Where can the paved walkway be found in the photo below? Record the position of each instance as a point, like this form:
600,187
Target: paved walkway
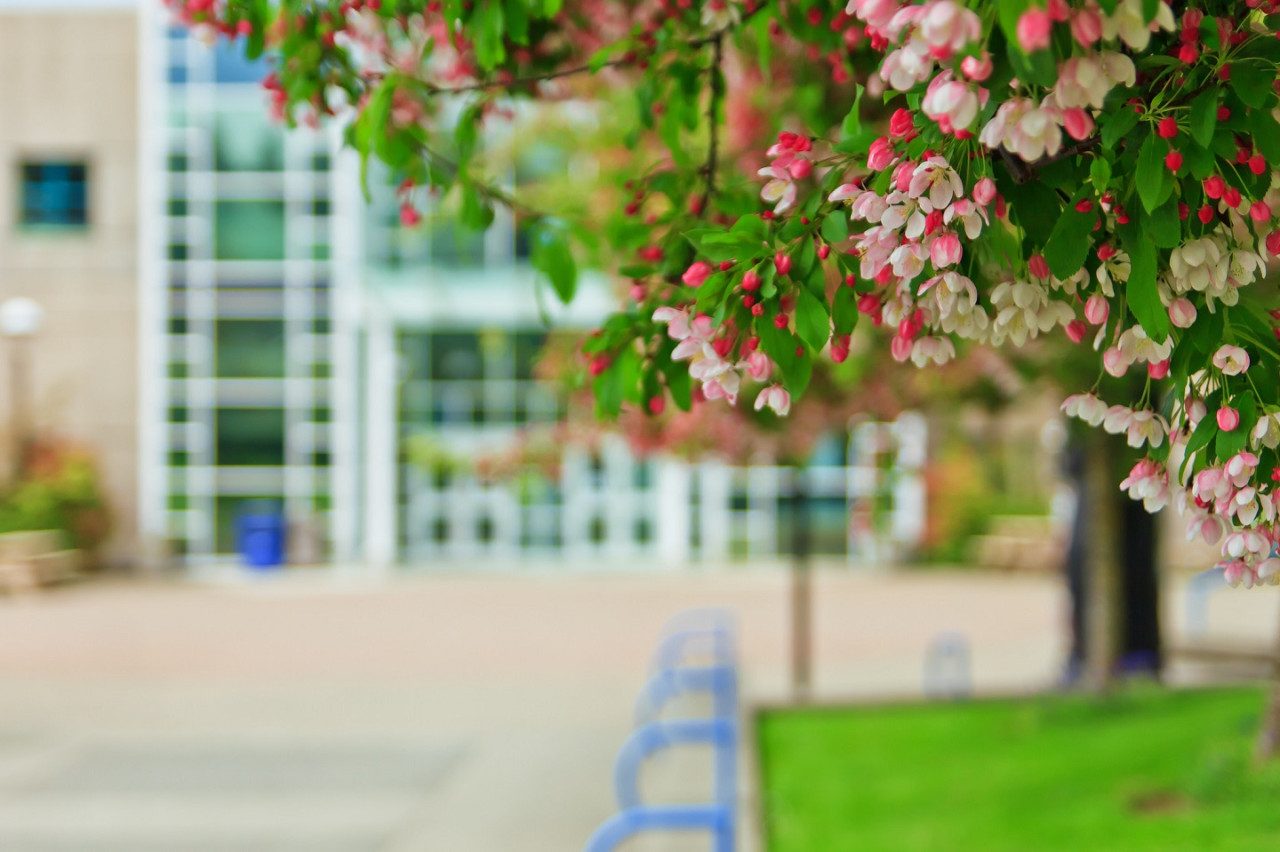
444,713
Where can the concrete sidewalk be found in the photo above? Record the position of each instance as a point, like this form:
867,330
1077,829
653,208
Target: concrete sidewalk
452,713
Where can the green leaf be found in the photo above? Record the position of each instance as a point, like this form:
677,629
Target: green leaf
1164,225
1100,173
1141,289
835,227
550,254
1204,115
1230,443
1201,162
852,124
812,321
1034,205
517,21
1149,9
1266,134
1154,185
1069,243
844,313
1118,126
486,29
1205,432
1253,83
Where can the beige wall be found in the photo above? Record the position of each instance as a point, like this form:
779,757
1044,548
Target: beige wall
68,87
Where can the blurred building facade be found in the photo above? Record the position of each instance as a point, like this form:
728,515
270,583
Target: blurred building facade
236,322
69,232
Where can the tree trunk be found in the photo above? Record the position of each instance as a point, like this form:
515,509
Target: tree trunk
1268,747
1102,564
801,590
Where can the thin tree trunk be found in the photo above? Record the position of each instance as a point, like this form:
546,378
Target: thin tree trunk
801,591
1268,747
1102,566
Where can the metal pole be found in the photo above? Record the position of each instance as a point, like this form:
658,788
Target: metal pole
801,589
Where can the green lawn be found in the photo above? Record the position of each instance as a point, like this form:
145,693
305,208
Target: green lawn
1148,770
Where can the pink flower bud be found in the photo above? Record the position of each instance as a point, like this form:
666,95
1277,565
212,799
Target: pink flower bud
901,123
1259,211
1078,123
1273,243
1182,313
900,348
984,192
1039,266
1158,369
1076,330
409,215
1086,26
781,263
977,69
1034,28
1228,419
696,274
1097,309
1114,362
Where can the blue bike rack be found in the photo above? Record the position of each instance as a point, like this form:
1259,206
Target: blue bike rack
696,634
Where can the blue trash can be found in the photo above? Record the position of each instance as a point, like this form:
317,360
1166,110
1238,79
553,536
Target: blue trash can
260,534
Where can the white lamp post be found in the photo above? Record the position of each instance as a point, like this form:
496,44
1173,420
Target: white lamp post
20,320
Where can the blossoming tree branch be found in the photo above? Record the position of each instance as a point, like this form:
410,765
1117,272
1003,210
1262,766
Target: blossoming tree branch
1100,170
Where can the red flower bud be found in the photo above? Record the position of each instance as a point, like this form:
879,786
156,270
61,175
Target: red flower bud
782,263
1173,161
1168,127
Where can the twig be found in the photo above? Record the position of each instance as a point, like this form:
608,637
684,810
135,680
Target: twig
488,190
1021,171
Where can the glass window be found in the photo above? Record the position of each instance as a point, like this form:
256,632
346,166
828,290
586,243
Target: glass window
454,245
54,194
250,436
456,357
231,66
249,349
528,349
249,230
246,141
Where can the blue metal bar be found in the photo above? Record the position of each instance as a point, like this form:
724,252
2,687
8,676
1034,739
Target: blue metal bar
643,742
717,819
675,647
721,681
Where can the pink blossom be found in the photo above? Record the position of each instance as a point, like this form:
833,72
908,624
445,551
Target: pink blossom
758,366
1115,362
877,13
1149,482
1076,330
1039,266
900,347
1085,406
1034,28
948,27
1158,369
1231,360
945,251
776,398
